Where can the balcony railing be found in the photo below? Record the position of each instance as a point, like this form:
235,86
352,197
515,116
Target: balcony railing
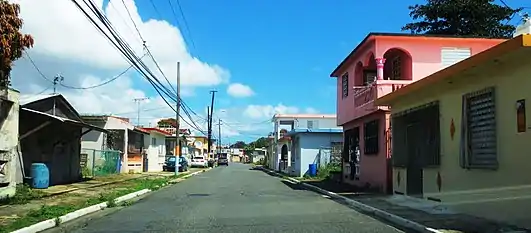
367,94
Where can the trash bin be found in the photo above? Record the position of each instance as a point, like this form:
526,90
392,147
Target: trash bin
312,169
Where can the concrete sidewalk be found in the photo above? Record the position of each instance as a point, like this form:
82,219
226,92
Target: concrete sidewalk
417,214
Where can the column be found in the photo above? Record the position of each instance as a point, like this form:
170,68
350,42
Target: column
380,68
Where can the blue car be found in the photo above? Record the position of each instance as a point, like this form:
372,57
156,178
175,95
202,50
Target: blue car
169,165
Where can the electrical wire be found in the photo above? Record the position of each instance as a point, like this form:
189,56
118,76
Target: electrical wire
186,23
125,49
146,48
37,68
101,84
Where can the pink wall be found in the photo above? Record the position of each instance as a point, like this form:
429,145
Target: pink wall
372,167
426,59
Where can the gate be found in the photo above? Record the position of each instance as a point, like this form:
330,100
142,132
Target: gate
100,162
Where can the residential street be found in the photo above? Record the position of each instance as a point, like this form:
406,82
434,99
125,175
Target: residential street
235,199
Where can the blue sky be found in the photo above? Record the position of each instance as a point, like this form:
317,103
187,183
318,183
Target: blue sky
274,46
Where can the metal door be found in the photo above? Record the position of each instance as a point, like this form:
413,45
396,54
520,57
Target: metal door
414,164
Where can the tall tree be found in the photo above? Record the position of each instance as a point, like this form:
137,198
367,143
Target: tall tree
260,142
478,18
168,122
239,145
12,41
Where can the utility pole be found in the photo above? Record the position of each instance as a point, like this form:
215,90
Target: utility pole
138,101
210,121
219,135
177,119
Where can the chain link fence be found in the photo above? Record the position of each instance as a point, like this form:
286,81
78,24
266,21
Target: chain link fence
100,162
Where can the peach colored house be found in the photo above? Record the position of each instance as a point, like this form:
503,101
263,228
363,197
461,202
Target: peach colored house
379,65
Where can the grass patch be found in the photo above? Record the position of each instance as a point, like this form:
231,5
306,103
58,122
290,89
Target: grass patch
46,212
23,195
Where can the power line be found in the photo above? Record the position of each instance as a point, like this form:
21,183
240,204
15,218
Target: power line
146,48
185,22
134,24
37,68
126,50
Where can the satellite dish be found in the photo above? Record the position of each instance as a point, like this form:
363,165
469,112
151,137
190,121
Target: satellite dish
198,144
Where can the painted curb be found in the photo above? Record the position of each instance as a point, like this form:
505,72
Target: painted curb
51,223
363,207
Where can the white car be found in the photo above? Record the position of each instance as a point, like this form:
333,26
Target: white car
199,161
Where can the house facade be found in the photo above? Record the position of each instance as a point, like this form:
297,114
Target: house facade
314,146
155,149
283,124
123,137
461,135
383,63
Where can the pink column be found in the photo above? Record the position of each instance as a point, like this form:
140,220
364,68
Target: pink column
380,68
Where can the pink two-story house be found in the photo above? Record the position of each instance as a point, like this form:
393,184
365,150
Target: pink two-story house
381,64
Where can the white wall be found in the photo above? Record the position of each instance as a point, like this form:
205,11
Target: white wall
310,145
156,151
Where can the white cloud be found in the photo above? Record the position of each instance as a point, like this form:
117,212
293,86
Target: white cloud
311,110
267,111
73,38
239,90
76,50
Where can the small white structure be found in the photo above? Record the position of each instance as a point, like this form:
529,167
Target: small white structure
284,123
156,148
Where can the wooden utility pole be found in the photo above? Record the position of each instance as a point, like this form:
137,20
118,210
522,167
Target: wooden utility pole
178,120
138,101
219,136
210,122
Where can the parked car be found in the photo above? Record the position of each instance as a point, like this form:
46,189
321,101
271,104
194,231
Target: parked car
223,159
169,165
199,161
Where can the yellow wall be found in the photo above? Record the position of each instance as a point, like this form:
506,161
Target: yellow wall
514,150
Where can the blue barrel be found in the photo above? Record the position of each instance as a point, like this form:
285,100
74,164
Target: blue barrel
312,169
40,176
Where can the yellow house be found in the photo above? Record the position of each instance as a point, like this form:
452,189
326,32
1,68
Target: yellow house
200,143
459,136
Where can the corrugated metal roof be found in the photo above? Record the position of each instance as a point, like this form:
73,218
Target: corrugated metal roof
65,120
34,98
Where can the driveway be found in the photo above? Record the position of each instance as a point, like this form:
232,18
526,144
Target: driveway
235,199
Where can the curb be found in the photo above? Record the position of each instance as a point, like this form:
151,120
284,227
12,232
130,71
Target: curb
360,206
51,223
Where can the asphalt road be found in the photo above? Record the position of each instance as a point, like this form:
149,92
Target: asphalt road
235,199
